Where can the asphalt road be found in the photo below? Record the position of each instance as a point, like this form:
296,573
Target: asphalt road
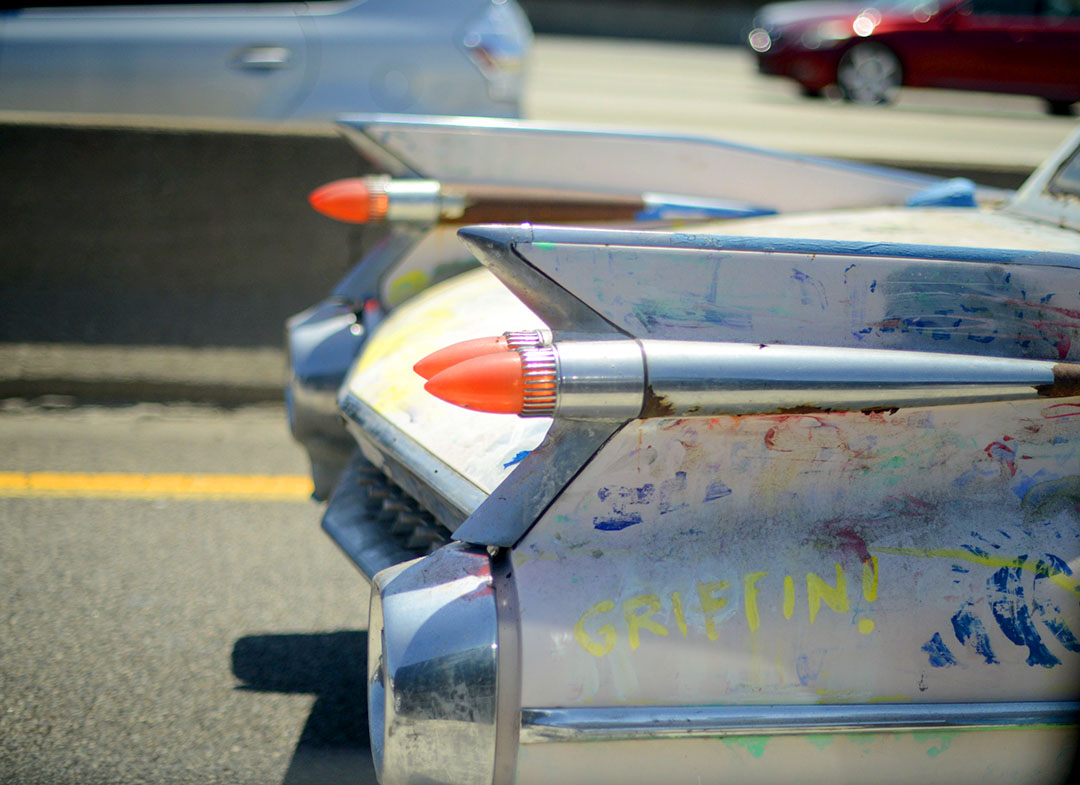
166,639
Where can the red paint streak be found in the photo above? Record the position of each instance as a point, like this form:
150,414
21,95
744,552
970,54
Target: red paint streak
770,441
1066,410
1069,312
1064,345
842,536
1003,454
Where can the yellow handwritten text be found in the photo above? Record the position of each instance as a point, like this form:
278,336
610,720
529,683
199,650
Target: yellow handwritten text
646,614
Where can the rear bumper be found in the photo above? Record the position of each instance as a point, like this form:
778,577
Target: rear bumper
444,690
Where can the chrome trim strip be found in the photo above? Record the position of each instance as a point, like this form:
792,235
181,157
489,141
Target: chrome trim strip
374,125
667,722
434,484
517,236
508,676
519,501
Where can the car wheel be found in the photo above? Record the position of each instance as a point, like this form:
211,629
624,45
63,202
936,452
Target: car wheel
869,73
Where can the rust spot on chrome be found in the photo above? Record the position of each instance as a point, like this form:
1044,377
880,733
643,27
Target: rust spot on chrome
805,408
656,405
1066,382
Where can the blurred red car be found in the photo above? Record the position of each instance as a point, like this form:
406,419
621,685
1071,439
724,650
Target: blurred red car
1030,47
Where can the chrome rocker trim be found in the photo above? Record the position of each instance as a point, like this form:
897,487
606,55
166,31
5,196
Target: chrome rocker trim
639,723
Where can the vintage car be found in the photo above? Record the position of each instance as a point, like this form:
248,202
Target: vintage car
728,466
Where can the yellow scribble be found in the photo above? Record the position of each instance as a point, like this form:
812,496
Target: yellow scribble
1041,569
818,590
587,642
870,579
710,604
750,593
636,621
789,596
677,609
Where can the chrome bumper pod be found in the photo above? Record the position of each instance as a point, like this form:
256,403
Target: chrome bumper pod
433,670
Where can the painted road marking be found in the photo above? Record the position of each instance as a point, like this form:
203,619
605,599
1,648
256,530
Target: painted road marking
119,485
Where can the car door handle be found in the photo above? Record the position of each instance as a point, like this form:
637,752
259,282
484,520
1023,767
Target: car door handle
262,58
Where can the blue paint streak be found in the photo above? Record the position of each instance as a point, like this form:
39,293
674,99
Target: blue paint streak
671,492
516,459
1059,564
940,656
968,626
1014,617
1061,631
805,670
1056,621
1025,482
624,495
716,490
955,192
616,524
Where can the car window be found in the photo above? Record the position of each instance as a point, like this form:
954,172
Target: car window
1067,178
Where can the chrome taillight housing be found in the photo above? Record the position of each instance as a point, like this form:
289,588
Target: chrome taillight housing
432,666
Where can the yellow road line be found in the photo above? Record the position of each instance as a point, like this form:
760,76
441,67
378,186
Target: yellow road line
117,485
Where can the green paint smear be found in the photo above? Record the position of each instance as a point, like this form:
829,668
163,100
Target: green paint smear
544,246
755,745
943,739
821,740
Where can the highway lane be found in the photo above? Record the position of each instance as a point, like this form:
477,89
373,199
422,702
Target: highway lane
158,636
716,91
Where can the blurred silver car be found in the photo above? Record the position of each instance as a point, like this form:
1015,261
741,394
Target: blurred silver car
273,60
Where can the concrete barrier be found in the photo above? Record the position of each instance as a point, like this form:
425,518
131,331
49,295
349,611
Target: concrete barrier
698,21
139,232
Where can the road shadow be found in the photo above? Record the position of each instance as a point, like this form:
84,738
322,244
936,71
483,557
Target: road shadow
333,746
